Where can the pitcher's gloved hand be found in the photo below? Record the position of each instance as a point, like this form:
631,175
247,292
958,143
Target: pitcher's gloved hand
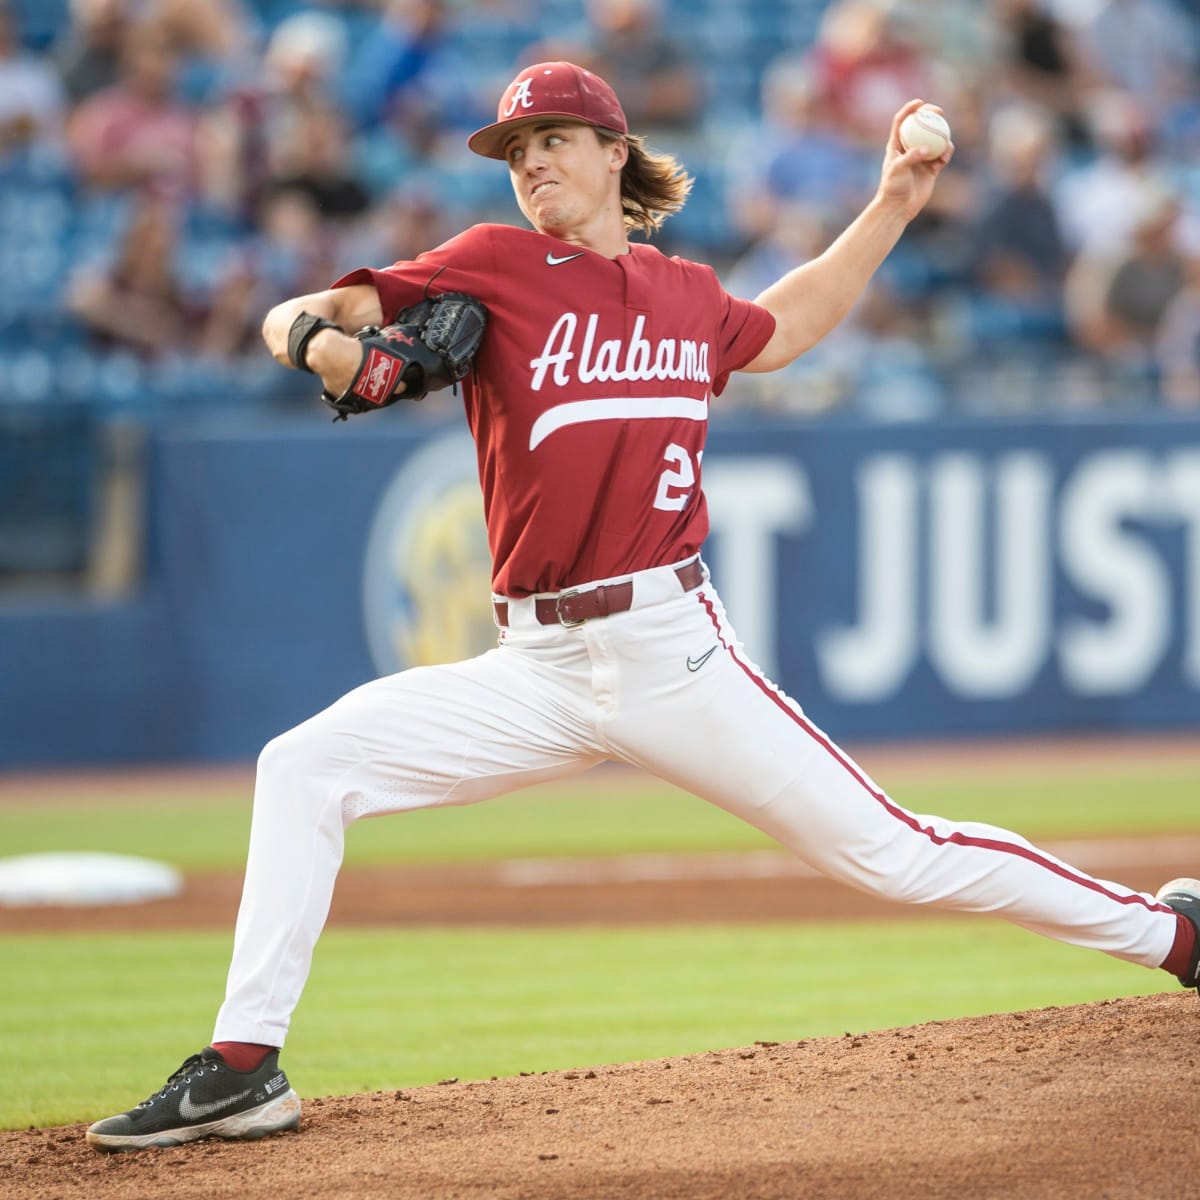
429,346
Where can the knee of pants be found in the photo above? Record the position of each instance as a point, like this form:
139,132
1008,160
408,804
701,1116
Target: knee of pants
304,761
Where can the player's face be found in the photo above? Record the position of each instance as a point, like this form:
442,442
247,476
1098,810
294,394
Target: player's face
564,177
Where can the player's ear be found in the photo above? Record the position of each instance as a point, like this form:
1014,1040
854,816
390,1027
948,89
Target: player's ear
617,148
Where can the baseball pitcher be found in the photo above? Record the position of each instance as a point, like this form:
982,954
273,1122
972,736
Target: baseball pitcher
587,364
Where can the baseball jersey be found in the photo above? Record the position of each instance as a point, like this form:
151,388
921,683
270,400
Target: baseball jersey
589,397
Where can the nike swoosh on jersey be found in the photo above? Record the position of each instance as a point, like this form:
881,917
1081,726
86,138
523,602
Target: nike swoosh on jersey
194,1112
552,261
619,408
694,664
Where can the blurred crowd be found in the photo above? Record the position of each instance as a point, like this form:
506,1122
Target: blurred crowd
169,169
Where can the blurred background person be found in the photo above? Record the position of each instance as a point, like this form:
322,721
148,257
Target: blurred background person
1099,197
87,53
293,248
298,75
310,152
137,134
628,43
794,154
32,100
1117,299
1145,48
134,299
392,70
1177,345
869,58
634,51
1041,64
1019,260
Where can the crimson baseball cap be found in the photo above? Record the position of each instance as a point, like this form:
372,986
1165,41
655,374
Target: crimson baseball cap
550,89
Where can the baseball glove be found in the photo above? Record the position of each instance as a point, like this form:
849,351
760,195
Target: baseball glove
429,346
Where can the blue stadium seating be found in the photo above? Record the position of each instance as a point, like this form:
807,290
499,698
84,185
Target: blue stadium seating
40,21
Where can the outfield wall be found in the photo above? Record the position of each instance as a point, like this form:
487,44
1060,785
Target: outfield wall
976,578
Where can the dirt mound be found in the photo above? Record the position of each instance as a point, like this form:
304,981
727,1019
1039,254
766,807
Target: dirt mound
1095,1100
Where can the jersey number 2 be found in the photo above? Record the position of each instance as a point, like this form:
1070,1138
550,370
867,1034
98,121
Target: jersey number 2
675,483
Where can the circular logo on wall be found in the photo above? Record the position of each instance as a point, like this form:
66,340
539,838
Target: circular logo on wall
427,572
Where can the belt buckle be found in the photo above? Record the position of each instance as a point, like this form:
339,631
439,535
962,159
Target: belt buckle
563,621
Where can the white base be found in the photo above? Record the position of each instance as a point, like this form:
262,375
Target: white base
84,879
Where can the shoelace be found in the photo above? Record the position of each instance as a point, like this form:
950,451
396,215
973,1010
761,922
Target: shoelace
185,1070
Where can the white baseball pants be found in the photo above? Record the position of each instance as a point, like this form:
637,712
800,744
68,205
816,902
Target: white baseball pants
551,701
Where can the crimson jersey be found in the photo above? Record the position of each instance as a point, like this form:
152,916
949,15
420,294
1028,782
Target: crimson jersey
589,398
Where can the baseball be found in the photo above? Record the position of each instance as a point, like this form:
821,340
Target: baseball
926,127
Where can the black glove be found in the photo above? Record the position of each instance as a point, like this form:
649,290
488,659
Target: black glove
429,346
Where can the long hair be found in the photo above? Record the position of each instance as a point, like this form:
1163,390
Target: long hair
653,185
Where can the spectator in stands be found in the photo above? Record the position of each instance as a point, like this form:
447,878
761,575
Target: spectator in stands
1146,48
88,52
309,153
135,301
1019,257
1177,345
215,40
410,90
625,42
389,71
1041,64
869,59
305,57
206,29
795,155
1116,301
821,380
896,368
1099,201
216,35
657,83
32,100
877,362
136,134
404,224
301,65
293,248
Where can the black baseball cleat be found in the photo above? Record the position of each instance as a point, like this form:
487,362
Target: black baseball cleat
1183,895
205,1098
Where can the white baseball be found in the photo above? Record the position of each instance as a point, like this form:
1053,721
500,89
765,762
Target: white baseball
926,127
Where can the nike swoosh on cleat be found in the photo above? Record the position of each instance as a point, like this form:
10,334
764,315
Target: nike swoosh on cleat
694,664
552,261
193,1112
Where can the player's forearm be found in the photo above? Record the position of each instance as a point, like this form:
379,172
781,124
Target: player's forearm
811,300
349,308
330,354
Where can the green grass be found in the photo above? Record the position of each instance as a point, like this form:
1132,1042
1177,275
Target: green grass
99,1021
89,1025
607,812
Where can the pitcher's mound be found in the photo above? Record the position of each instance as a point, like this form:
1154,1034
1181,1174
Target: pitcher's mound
1095,1100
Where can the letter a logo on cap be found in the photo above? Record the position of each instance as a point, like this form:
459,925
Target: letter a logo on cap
564,90
520,96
